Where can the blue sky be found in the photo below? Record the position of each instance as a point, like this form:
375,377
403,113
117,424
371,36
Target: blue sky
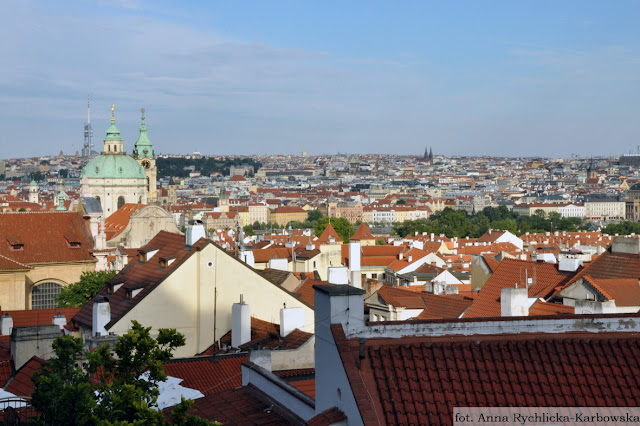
223,77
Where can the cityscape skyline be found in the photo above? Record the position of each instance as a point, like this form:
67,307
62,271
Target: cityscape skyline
476,79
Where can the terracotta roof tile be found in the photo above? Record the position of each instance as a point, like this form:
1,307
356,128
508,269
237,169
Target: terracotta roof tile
6,371
625,291
546,308
45,237
242,406
509,272
118,220
362,233
328,232
265,335
21,384
420,380
31,317
208,375
327,417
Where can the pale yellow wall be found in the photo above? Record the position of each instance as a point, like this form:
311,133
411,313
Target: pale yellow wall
17,286
13,294
185,300
330,255
303,357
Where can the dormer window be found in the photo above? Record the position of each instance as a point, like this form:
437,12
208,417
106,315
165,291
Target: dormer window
142,256
15,242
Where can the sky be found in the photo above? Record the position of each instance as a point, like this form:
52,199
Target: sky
506,78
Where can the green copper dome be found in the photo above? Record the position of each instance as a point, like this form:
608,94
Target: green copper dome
143,147
113,166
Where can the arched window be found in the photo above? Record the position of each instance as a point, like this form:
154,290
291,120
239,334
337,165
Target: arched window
43,296
115,148
120,201
98,198
109,148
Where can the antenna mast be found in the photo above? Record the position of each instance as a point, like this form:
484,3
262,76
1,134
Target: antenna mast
88,132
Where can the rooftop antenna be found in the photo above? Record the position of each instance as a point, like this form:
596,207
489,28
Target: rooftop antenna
87,147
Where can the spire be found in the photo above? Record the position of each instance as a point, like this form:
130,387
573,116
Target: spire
113,134
143,147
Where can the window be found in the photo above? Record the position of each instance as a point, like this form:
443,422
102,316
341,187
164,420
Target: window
43,296
120,201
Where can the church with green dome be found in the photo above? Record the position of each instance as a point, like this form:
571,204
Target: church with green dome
114,178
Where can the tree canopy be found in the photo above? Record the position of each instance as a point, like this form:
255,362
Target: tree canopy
77,294
180,167
623,228
343,227
458,223
109,387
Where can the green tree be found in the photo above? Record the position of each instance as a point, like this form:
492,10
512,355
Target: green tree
314,215
248,230
381,242
63,173
114,387
343,227
77,294
401,201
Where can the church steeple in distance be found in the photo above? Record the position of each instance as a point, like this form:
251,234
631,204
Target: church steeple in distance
143,147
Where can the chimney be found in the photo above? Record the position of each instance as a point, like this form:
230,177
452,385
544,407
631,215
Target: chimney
6,324
310,247
279,264
59,320
628,245
194,232
410,258
240,323
514,302
291,319
338,275
101,316
354,264
335,304
401,255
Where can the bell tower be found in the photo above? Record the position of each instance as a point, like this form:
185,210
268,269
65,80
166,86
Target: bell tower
144,155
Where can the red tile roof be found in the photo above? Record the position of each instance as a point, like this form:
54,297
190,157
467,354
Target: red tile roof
265,335
6,371
611,265
327,417
307,386
241,406
46,237
21,384
327,233
546,308
362,233
208,375
625,291
118,220
545,279
26,318
434,306
420,380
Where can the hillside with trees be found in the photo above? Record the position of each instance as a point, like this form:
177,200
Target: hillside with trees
181,167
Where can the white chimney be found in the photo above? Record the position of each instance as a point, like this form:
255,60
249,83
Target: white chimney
240,323
101,316
354,264
514,302
279,264
59,320
248,258
310,247
194,233
291,319
400,255
338,275
6,324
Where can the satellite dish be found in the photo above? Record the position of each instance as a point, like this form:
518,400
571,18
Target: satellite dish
230,233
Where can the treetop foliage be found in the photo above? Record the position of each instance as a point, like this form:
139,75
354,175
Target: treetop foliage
77,294
180,167
107,387
458,223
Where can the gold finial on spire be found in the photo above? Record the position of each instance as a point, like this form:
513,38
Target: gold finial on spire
142,111
113,117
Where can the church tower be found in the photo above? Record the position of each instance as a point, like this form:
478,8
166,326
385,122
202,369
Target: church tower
144,155
33,192
592,173
223,199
